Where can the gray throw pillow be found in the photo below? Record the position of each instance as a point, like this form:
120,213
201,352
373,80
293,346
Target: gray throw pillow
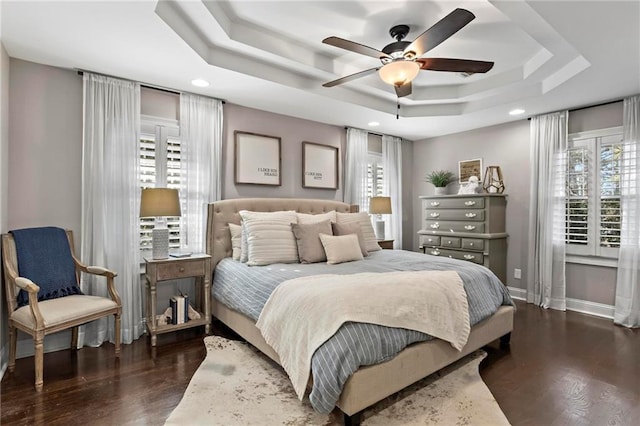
351,228
310,249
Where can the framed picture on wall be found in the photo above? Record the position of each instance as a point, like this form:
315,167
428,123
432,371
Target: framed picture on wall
468,168
258,159
319,166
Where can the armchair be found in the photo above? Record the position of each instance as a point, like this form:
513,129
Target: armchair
60,310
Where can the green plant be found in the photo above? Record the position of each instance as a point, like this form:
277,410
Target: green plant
440,178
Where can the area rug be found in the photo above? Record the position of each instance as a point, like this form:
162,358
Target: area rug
237,385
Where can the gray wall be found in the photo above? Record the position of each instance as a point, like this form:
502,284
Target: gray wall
508,146
4,173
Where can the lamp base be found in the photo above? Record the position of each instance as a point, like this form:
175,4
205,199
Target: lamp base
160,243
380,234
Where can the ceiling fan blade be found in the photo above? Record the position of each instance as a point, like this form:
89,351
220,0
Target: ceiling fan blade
354,47
404,90
454,65
351,77
440,31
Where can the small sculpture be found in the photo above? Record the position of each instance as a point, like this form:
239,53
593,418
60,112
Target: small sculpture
471,187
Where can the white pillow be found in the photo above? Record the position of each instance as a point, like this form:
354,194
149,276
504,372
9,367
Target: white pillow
370,240
236,240
341,248
269,238
305,219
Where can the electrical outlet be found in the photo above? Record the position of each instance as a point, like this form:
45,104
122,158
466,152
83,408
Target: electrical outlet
517,273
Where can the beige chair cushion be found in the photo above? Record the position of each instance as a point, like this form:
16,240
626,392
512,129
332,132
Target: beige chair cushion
63,309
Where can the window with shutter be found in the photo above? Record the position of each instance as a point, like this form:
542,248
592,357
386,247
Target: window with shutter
159,167
594,167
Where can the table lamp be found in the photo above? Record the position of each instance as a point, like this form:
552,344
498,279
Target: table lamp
380,206
159,203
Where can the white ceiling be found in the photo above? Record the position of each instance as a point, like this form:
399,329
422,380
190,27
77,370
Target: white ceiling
548,55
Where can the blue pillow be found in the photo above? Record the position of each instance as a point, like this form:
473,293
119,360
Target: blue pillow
44,256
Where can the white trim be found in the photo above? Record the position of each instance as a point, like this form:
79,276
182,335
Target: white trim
52,343
596,133
593,261
575,305
4,362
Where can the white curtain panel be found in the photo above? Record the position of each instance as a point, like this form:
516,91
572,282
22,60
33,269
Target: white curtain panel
627,307
546,285
111,200
355,169
200,166
392,164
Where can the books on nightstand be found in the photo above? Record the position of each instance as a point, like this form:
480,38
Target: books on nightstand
179,309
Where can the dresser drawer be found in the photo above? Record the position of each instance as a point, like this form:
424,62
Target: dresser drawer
463,214
430,240
455,203
450,242
169,270
449,226
472,244
454,254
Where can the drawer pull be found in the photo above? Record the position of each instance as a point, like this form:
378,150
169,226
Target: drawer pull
470,244
435,252
448,242
435,203
181,269
469,257
435,225
470,215
435,214
469,203
469,227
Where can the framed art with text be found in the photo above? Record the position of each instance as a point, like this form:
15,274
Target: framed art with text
468,168
258,159
319,166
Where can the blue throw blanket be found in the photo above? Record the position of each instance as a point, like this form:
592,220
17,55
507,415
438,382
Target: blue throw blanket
44,256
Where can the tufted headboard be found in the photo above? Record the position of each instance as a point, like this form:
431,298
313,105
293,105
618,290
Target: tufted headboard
221,213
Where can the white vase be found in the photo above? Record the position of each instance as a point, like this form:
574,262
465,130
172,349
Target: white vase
440,190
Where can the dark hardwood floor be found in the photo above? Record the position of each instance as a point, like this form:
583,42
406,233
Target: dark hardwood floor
561,369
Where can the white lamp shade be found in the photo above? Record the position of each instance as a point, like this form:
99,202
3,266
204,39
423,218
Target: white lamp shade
159,202
399,72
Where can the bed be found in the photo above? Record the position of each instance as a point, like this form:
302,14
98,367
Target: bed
369,384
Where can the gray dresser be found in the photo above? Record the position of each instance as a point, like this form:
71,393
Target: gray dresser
469,227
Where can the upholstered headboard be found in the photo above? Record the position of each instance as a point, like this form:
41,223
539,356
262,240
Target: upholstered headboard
221,213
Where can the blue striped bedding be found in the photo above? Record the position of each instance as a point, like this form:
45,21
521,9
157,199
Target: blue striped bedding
247,288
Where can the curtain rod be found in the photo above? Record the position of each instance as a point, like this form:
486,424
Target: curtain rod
371,133
592,106
151,86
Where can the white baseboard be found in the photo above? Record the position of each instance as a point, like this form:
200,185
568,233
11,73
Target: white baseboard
52,343
4,361
576,305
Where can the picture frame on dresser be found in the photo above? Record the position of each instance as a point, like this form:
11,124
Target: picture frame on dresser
319,166
258,159
468,168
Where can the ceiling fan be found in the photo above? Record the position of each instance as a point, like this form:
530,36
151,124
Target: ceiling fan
401,60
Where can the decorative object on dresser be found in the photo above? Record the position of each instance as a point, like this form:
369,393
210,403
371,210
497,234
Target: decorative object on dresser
468,227
471,187
160,203
468,168
440,179
380,206
197,266
319,166
258,159
493,183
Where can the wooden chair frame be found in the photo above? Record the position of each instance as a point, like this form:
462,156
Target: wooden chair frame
13,283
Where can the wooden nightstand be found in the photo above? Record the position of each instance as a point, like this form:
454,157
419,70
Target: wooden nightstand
386,244
158,270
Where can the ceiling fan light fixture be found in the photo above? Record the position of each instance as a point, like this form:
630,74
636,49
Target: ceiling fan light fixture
398,73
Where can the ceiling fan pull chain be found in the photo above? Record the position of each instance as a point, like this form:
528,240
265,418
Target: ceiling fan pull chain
398,110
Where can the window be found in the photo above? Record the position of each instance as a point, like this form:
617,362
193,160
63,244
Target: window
594,166
159,167
375,176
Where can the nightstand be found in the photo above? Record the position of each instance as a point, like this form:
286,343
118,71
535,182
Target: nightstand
197,266
386,244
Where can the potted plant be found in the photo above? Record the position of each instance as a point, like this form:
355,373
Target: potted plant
440,179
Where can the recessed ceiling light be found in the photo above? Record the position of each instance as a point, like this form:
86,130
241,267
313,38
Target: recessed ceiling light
374,124
200,82
516,111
